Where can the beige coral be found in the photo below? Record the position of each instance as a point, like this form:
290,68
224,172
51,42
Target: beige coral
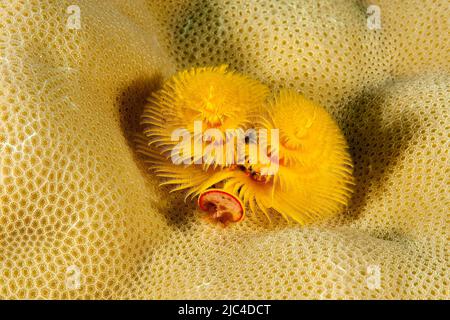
74,196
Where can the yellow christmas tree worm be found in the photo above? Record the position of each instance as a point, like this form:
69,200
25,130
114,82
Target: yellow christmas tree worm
313,176
211,97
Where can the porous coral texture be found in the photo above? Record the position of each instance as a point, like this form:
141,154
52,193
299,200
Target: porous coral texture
77,203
